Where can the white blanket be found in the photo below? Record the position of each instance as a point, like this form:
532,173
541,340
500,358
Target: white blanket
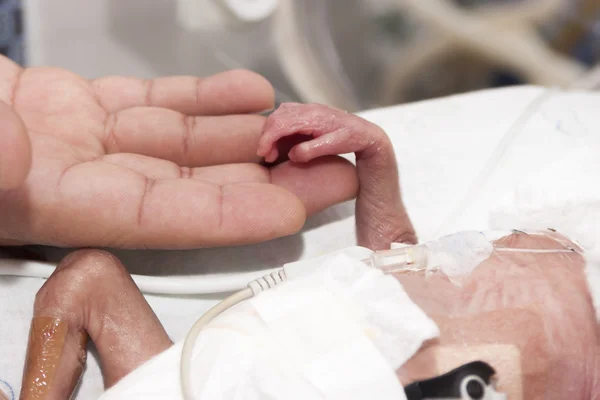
457,156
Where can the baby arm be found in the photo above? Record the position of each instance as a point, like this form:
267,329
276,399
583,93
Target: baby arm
90,294
381,217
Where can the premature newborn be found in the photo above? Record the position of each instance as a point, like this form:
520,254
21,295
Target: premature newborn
527,313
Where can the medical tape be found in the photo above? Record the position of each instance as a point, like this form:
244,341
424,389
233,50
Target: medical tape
563,195
345,329
590,255
523,364
454,255
457,255
47,336
568,245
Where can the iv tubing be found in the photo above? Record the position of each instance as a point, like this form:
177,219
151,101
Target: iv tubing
169,285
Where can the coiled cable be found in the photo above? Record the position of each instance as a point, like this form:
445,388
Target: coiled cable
255,287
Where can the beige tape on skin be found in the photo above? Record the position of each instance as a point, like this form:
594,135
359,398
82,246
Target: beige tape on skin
45,349
459,254
437,358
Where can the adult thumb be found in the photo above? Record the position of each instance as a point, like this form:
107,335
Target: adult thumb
15,149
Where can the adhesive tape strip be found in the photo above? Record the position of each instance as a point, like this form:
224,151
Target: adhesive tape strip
47,337
44,363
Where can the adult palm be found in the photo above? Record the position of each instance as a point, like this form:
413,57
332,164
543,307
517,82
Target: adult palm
163,163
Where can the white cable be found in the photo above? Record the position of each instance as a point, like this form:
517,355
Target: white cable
537,251
253,288
192,336
168,285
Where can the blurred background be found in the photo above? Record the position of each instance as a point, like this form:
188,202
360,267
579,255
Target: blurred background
352,54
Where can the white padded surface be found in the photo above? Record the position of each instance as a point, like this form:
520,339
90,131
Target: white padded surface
442,146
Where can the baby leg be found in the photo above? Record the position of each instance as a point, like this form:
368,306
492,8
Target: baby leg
90,294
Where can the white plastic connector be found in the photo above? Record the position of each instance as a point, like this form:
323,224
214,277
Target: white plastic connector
267,282
412,258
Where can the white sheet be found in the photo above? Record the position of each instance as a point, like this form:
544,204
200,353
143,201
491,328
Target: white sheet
442,147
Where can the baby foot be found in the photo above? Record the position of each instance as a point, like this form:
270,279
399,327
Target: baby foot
381,217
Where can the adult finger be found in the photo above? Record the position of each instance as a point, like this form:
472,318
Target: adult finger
15,148
185,140
109,205
231,92
320,183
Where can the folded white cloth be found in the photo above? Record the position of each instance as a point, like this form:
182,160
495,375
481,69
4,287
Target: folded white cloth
337,331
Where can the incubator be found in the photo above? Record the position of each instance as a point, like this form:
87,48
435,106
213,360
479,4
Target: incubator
350,54
449,187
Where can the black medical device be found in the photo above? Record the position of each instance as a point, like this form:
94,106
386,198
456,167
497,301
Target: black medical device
472,381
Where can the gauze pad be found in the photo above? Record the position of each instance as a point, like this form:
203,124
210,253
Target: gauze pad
337,331
563,195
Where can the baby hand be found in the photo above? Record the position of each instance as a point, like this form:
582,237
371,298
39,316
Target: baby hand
381,217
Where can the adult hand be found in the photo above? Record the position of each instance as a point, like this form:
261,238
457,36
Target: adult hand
163,163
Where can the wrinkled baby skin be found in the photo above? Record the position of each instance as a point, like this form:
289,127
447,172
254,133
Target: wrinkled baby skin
381,217
529,315
90,294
